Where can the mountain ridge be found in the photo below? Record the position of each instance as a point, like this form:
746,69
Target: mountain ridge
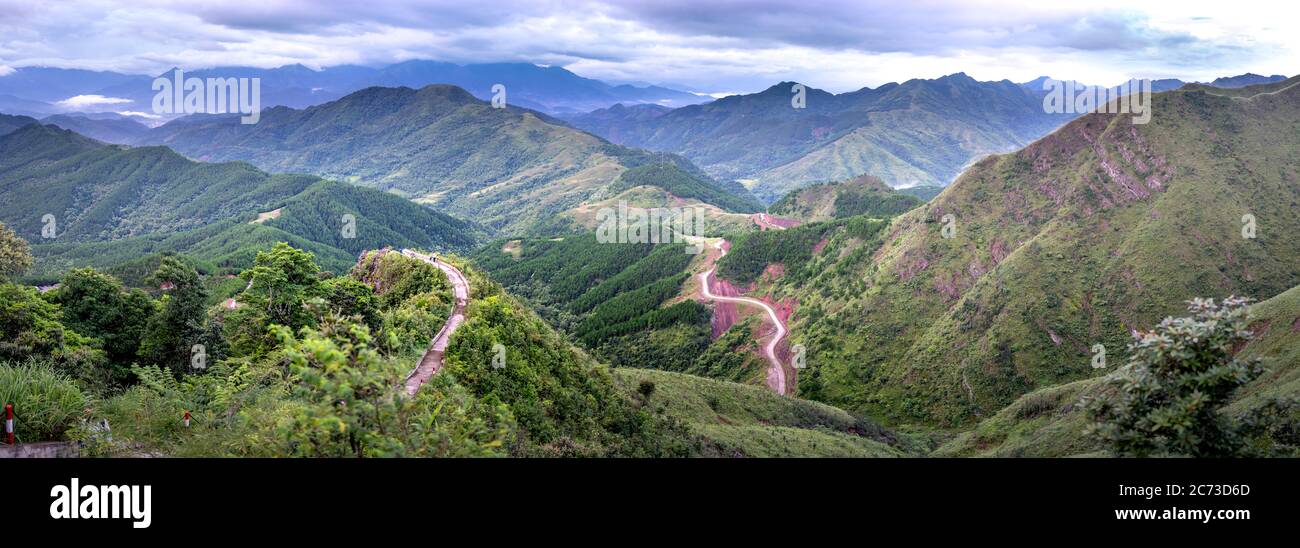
507,168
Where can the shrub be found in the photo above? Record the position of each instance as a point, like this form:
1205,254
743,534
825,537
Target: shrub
1169,395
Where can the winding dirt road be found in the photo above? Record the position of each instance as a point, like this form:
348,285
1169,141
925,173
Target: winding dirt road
776,374
432,359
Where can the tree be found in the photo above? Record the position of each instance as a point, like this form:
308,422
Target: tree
15,254
349,297
1169,396
281,281
97,305
30,327
171,334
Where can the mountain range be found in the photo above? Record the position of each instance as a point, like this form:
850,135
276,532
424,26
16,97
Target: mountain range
39,91
918,133
505,168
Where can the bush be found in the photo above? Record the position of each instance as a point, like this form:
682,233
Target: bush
46,402
1169,395
31,327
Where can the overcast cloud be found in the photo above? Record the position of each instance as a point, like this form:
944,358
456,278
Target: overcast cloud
707,45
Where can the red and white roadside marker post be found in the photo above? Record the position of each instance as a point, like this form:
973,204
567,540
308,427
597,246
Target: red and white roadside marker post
187,418
9,423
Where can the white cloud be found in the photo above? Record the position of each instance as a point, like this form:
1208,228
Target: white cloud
139,114
82,102
712,46
6,70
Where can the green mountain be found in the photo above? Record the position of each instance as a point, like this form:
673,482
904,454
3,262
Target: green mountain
10,123
924,192
109,130
1101,228
920,132
864,195
104,192
113,205
506,168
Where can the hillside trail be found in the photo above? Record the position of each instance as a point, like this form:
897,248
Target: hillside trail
432,360
776,371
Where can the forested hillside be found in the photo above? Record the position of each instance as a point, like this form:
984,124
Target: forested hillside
865,195
612,298
107,205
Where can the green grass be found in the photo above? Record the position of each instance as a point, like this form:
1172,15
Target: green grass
46,402
743,420
1050,422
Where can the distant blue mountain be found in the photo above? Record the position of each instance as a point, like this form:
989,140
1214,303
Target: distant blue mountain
1169,84
35,91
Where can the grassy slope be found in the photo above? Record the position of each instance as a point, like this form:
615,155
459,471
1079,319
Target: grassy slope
742,420
1049,422
1101,227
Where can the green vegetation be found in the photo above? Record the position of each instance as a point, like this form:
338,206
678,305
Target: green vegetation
1170,395
683,184
739,420
613,298
918,132
924,192
46,403
15,254
507,169
752,252
349,408
98,306
1096,230
32,329
865,195
170,336
154,201
1051,422
303,364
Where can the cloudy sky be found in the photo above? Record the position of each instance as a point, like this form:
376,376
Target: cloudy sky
706,45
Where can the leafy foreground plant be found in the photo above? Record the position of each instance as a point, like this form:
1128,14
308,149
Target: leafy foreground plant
47,402
1170,395
354,406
